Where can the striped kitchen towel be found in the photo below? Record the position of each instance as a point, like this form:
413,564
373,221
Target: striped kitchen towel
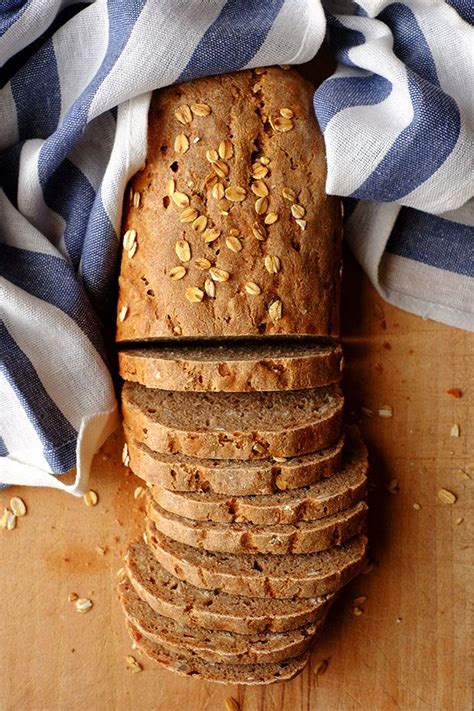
75,80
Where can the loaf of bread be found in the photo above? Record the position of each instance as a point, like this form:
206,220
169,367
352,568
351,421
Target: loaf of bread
228,230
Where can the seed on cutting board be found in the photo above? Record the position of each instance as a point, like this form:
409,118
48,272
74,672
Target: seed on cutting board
226,149
259,231
359,600
252,288
210,288
235,193
259,188
385,411
367,411
289,194
202,263
210,234
83,604
90,498
357,611
180,199
447,497
177,273
233,243
129,239
18,506
455,431
231,704
194,294
417,506
393,486
321,667
275,310
271,218
459,521
133,665
200,109
301,224
286,113
189,214
261,205
298,210
181,143
183,114
272,263
138,493
220,168
219,274
218,191
125,455
281,124
200,223
259,171
183,250
123,313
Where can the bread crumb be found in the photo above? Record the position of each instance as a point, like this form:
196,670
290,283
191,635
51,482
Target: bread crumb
455,392
133,665
455,431
459,521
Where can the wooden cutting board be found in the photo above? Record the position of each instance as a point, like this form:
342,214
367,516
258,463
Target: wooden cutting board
409,649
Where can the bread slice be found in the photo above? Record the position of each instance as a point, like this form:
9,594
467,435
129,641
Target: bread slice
234,367
214,609
261,575
248,538
234,425
188,665
324,498
228,476
214,645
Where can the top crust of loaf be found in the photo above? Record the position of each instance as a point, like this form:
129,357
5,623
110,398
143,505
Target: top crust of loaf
253,264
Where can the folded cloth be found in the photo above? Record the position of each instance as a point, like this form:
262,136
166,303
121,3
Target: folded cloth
76,79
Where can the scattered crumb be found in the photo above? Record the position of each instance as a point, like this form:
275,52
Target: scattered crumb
359,600
84,604
386,411
72,597
446,497
368,568
357,611
387,346
133,665
367,412
459,521
399,619
102,550
393,486
321,667
417,507
455,392
90,498
455,431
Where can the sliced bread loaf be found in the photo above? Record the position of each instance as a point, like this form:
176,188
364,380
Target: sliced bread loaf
235,367
214,609
248,538
234,425
324,498
228,476
261,575
214,645
187,664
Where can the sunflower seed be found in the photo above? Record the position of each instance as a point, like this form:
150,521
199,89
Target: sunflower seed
289,194
259,188
180,199
137,198
259,231
220,168
235,193
218,191
181,143
271,218
252,288
123,313
286,113
212,155
18,506
259,171
272,264
210,288
233,243
210,234
281,124
261,205
90,498
447,497
133,665
177,273
202,263
194,295
298,211
275,310
219,274
188,215
129,239
83,604
200,109
226,149
183,114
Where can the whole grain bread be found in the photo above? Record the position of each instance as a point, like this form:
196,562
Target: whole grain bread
233,425
188,664
261,574
324,498
214,609
234,367
248,538
207,252
214,645
178,472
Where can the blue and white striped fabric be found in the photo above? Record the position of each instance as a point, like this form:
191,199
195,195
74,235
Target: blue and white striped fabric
75,80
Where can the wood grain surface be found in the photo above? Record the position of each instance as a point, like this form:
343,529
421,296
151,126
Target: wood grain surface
409,649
